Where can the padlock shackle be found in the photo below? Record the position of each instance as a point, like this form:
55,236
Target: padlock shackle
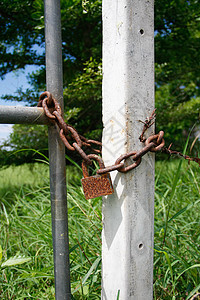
85,165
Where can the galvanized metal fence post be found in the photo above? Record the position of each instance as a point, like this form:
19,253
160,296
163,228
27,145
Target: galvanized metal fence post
54,82
128,96
35,115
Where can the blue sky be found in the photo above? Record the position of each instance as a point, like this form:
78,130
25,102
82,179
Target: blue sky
9,85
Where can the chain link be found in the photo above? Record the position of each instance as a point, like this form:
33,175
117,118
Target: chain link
158,141
154,143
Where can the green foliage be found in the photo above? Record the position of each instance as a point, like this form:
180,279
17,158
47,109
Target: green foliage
81,96
13,178
177,113
26,229
18,35
23,136
21,139
15,260
177,40
177,66
83,100
176,266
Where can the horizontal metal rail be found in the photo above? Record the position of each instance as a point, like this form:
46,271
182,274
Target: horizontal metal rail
23,115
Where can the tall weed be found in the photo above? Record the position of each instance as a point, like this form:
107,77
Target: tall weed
26,234
177,256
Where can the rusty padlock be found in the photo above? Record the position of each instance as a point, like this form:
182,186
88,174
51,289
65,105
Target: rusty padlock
98,185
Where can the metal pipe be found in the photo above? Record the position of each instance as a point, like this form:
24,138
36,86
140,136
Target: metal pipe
54,82
22,115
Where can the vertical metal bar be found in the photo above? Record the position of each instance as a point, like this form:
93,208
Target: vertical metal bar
128,96
54,82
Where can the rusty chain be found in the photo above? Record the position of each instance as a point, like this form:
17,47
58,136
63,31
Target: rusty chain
67,133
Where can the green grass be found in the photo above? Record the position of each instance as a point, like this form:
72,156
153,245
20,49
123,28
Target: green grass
26,232
12,179
26,242
177,231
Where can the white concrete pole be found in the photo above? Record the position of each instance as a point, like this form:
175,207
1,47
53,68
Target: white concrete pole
128,96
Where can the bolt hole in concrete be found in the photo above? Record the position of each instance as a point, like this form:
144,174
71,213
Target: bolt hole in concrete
141,31
141,246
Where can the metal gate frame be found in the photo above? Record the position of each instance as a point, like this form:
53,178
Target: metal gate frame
128,94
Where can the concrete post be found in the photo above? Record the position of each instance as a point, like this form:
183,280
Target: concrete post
128,96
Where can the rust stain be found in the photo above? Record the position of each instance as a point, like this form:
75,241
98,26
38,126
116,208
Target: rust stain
96,186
